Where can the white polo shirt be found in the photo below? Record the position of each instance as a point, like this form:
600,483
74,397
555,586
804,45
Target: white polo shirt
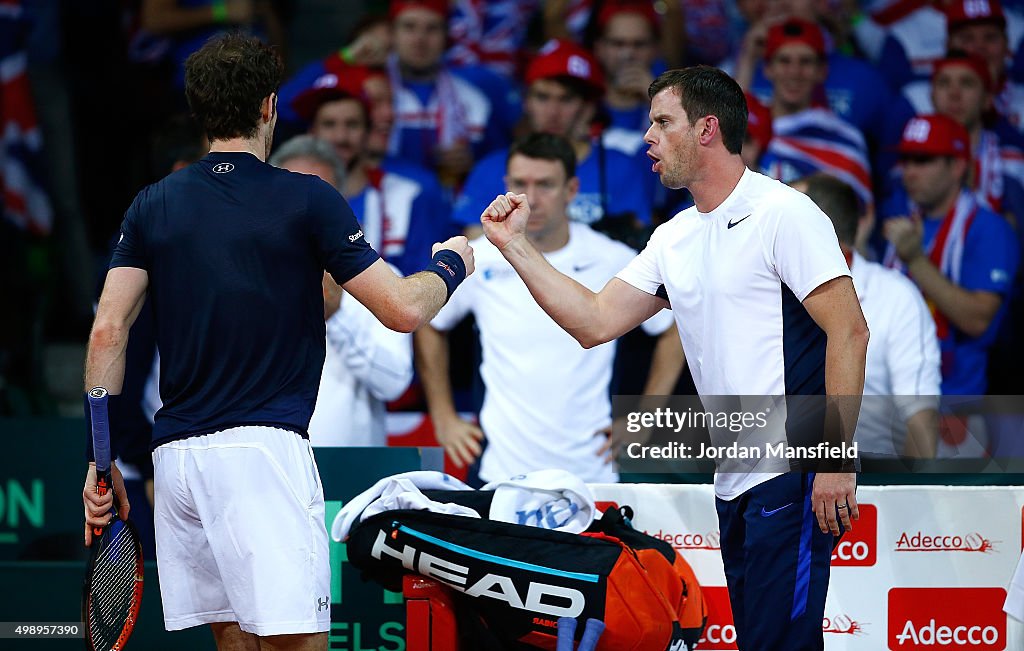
546,395
736,278
366,364
903,357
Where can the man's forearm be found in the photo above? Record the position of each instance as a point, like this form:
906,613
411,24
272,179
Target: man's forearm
964,308
104,363
432,358
567,302
922,434
401,304
666,364
845,357
124,293
428,295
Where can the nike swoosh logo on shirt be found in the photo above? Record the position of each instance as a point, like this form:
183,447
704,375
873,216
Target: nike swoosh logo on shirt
768,514
582,267
733,223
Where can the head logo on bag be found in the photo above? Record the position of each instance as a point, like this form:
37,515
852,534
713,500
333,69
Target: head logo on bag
933,619
511,582
554,600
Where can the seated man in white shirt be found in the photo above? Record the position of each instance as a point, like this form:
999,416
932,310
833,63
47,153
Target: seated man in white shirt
899,414
546,403
366,364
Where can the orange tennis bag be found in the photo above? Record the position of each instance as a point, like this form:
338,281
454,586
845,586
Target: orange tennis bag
511,583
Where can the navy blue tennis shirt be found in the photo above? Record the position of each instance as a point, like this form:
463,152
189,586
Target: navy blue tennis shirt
235,250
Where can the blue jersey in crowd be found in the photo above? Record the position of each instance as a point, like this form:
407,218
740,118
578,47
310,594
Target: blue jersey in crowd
235,250
989,263
403,212
624,182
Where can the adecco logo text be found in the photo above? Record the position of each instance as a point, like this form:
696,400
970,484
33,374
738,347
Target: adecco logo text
919,541
720,632
936,619
679,540
858,548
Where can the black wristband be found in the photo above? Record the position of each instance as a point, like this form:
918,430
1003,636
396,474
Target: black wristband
112,404
450,267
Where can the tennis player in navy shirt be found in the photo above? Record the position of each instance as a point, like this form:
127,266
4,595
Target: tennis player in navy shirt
231,252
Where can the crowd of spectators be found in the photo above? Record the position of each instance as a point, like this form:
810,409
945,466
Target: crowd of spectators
916,105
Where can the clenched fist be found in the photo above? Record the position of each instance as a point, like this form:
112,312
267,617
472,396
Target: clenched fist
460,245
505,218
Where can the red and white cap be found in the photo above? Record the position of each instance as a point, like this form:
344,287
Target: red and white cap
794,30
643,8
559,58
339,81
935,135
965,12
398,7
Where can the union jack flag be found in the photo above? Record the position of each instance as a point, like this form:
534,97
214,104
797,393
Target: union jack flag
23,198
818,140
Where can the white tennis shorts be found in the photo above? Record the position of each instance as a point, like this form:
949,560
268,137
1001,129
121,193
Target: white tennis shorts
240,535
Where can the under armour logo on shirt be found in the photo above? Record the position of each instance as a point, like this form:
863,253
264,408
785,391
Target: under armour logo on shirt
223,168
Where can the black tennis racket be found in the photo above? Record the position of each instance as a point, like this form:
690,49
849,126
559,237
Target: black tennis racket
112,592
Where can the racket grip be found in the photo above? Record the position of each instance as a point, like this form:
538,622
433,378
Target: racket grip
100,428
566,633
591,634
102,488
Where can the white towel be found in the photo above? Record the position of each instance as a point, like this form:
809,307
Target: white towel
549,499
402,491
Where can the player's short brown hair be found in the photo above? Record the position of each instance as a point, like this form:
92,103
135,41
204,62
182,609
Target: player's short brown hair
226,81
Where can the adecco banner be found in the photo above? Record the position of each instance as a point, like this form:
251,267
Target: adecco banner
925,568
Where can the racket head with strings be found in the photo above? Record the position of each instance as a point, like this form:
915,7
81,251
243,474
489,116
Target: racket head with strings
112,592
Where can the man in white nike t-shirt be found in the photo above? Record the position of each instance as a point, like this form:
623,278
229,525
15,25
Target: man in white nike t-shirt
765,306
546,403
